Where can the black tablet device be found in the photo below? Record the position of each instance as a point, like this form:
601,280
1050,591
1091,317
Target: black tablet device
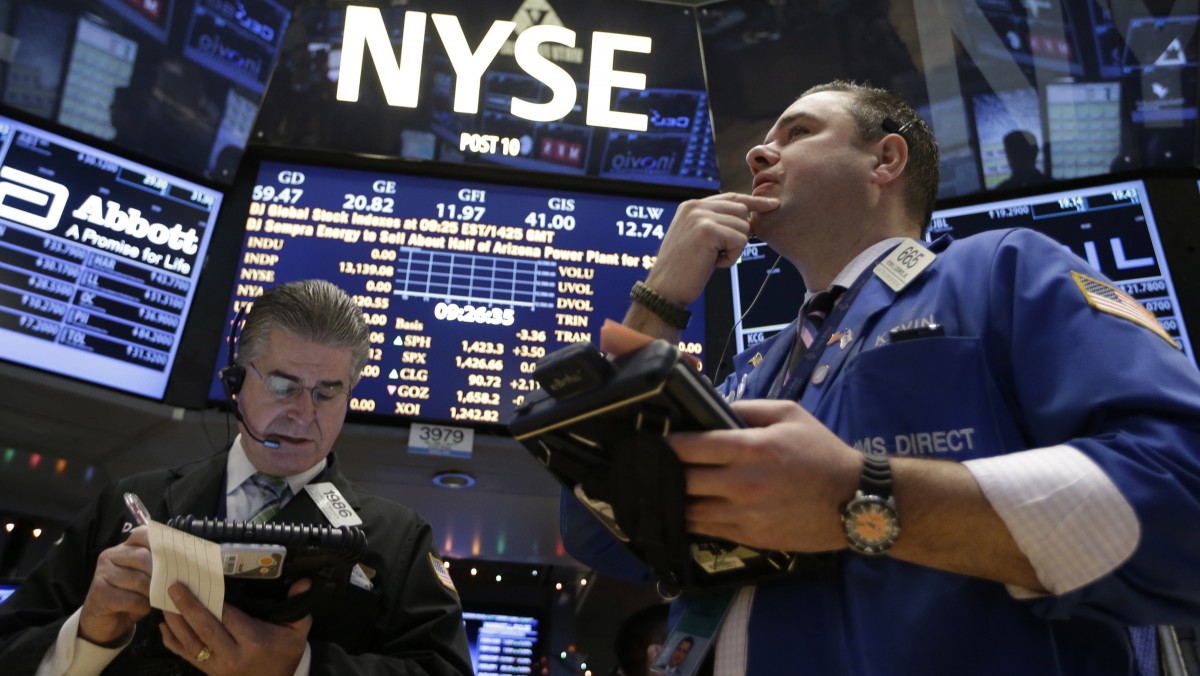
599,425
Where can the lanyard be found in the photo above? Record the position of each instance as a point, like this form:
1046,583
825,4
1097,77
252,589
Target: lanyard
803,369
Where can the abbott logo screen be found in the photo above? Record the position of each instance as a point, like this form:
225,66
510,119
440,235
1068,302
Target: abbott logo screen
99,259
21,190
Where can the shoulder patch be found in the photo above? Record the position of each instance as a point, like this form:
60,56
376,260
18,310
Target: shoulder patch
1108,298
443,575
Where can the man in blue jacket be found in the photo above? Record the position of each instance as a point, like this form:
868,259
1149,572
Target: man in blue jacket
1001,446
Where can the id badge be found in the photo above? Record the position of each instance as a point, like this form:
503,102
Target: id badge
692,636
331,503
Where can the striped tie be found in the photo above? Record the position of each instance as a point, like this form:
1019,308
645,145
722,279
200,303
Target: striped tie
815,312
812,316
274,492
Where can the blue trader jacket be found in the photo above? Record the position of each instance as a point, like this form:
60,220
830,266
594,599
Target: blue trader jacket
1025,362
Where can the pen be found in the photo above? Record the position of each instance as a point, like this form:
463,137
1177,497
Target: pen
137,508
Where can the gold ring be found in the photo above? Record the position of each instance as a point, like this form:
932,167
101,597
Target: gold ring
205,653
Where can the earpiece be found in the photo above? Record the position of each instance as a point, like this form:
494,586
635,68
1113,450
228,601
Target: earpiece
892,127
233,376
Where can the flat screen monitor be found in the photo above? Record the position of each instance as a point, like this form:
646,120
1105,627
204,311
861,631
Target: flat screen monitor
465,284
1009,128
767,292
99,260
1153,54
503,643
1046,37
1083,124
1111,226
176,82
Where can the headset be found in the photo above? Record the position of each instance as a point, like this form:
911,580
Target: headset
233,376
736,324
892,127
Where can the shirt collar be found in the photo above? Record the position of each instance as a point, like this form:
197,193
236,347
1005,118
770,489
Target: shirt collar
238,468
858,264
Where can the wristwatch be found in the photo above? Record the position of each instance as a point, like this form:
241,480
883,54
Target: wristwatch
870,520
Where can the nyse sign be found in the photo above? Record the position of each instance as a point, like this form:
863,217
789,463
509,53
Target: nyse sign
366,33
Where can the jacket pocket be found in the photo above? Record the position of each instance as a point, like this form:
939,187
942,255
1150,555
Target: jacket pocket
928,397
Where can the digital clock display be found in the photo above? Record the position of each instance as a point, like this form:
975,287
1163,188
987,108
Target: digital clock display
464,284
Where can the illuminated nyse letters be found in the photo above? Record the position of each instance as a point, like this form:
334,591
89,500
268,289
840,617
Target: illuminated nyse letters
365,31
468,66
558,80
603,78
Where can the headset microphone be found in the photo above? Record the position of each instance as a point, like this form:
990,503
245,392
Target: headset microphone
269,443
232,378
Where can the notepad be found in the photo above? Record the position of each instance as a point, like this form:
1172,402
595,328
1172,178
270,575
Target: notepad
192,561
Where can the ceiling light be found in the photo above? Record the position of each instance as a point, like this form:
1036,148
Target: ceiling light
453,480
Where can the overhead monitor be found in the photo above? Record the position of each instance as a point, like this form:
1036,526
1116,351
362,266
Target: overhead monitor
1046,36
99,260
176,82
1113,226
1009,128
465,283
1083,125
1152,51
503,643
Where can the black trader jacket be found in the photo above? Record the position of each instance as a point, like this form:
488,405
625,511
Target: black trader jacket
410,623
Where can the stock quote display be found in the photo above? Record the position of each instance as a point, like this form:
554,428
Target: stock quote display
464,284
99,258
1111,226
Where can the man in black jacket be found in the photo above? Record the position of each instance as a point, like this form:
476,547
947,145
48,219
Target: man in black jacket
86,609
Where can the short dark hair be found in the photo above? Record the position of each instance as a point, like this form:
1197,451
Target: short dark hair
870,107
313,309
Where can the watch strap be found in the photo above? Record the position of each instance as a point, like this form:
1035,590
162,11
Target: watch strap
876,476
664,308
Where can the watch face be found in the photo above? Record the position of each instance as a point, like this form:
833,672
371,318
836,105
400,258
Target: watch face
871,525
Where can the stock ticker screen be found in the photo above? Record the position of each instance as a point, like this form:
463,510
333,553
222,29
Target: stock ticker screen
99,259
503,644
465,284
1111,226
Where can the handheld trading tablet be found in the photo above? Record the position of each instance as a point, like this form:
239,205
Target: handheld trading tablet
284,553
599,426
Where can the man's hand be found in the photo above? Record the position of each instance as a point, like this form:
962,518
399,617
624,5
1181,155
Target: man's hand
237,643
777,485
120,592
705,234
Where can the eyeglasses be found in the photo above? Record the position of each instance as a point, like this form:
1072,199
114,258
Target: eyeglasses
285,388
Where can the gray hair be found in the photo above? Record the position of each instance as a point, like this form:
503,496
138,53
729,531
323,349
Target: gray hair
313,309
